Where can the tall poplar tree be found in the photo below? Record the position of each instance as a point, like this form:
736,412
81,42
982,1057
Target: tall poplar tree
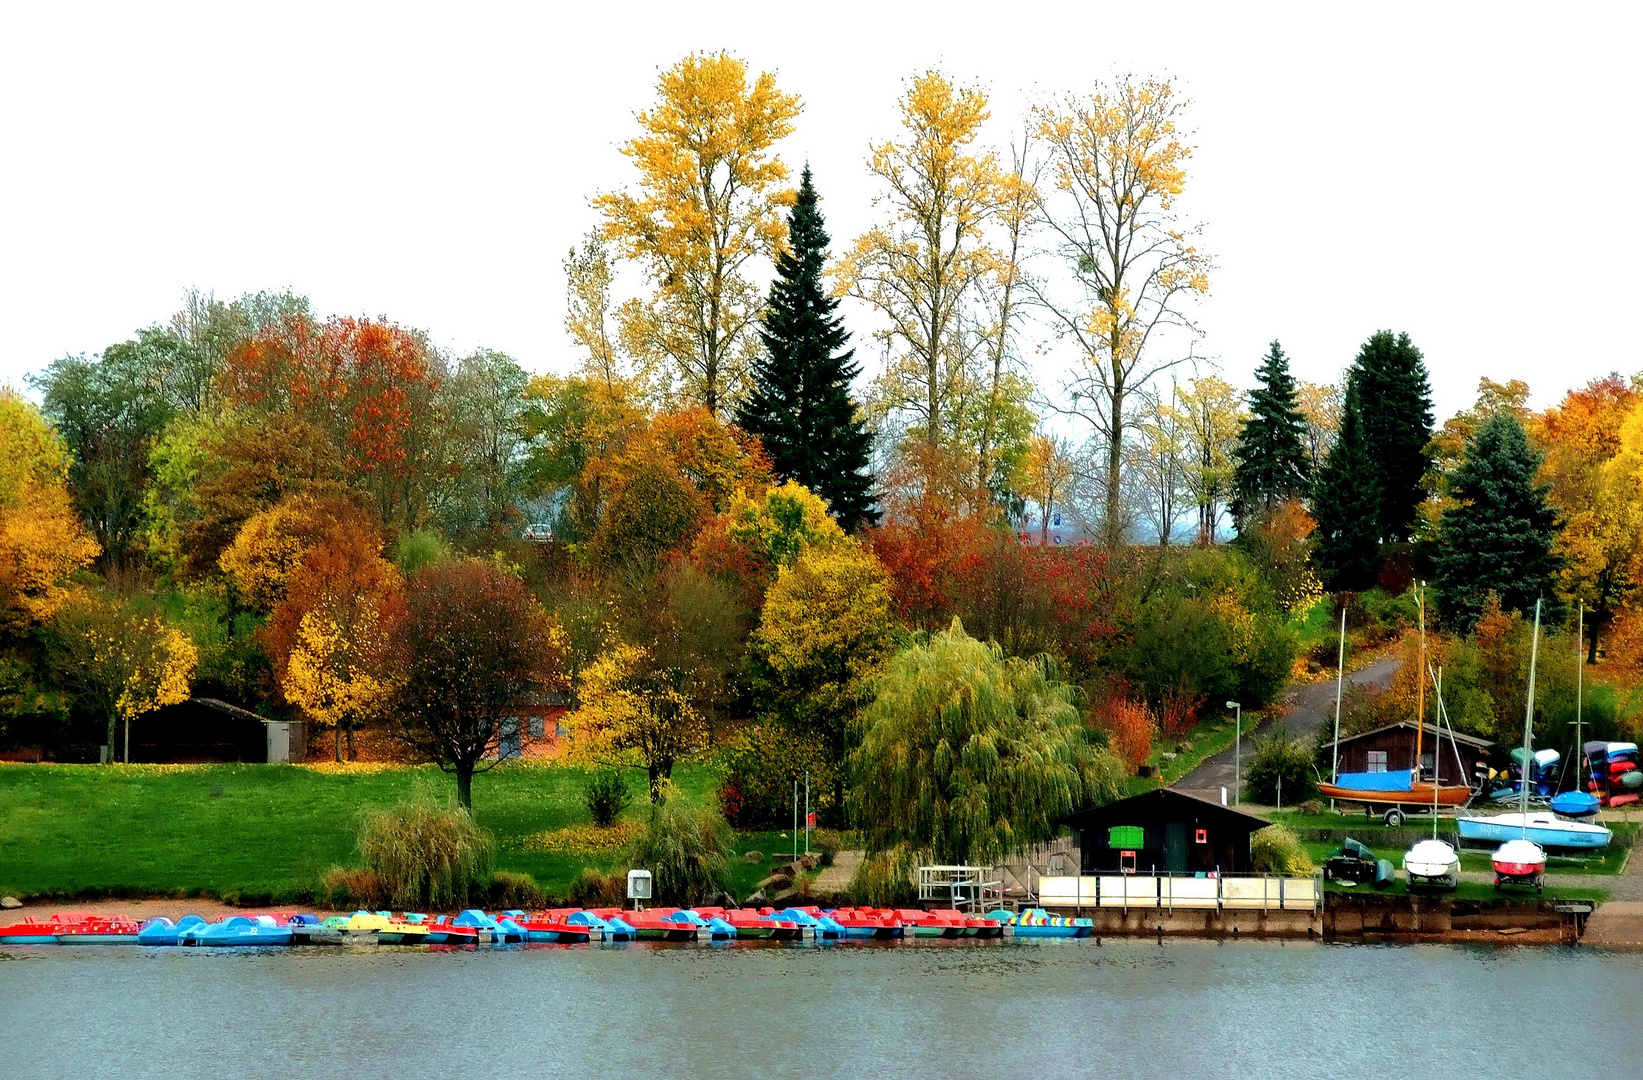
798,402
1271,458
1345,502
1498,536
1397,424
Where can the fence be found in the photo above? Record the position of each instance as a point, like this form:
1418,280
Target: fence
1170,892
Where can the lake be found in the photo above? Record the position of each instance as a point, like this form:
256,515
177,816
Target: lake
961,1009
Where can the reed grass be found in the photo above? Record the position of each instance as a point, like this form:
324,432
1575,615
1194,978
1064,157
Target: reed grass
428,854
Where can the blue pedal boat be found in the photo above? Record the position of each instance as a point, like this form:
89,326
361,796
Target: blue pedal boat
237,931
1038,923
821,927
162,931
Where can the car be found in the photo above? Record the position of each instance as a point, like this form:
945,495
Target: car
539,532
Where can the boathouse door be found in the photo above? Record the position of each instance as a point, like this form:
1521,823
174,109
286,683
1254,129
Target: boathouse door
1175,846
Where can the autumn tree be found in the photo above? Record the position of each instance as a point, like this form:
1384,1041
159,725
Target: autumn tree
633,711
919,268
590,310
1498,537
825,632
473,648
338,672
119,663
42,542
1117,167
573,427
1157,464
1045,476
1593,473
1320,407
483,405
706,207
798,402
1272,462
756,537
273,544
1211,418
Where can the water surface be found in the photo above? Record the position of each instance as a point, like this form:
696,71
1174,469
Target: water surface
962,1009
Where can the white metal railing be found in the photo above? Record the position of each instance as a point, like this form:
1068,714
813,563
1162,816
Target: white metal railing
1249,892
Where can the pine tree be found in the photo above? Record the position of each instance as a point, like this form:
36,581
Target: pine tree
1498,536
799,402
1271,460
1397,415
1345,501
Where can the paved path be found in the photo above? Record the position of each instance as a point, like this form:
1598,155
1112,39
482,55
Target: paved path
1306,708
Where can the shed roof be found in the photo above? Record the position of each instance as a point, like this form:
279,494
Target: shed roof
1163,802
1429,729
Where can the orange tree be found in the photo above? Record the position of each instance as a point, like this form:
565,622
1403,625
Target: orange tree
473,648
42,543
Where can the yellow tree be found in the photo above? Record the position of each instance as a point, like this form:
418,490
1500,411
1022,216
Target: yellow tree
633,712
338,674
1320,406
708,203
1211,413
1594,457
1117,165
1045,475
826,631
42,542
920,268
119,663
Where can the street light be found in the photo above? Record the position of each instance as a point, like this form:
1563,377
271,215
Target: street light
1237,754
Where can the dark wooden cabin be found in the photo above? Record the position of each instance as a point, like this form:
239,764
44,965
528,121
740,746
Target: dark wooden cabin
1164,830
1392,749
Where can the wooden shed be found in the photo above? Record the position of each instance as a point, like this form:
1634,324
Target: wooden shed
1392,749
1164,830
199,729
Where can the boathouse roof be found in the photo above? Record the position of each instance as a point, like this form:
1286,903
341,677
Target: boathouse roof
1428,729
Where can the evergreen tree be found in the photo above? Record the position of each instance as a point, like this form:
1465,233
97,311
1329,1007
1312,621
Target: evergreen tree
799,401
1498,536
1345,502
1397,425
1271,459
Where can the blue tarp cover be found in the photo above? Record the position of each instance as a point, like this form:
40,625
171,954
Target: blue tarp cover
1375,781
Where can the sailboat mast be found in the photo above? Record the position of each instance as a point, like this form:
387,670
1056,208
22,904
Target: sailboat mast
1580,659
1420,688
1437,688
1340,674
1528,723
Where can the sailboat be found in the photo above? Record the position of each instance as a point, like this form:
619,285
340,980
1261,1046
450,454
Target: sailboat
1399,789
1539,830
1433,862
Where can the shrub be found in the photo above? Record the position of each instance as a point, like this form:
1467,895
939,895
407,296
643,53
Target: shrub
760,767
345,887
1129,726
686,849
509,889
1275,850
594,888
1278,756
427,855
606,795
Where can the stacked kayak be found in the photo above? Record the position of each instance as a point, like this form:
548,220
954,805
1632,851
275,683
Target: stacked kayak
1612,772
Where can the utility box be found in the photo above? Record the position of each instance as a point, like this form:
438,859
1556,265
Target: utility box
638,884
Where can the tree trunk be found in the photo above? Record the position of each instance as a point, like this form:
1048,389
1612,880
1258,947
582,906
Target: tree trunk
465,785
353,755
113,729
338,734
1111,528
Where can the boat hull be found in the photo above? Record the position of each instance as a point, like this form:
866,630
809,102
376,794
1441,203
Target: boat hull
1547,832
1416,795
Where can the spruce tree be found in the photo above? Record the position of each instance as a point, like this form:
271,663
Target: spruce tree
1397,415
1271,463
799,401
1497,537
1345,501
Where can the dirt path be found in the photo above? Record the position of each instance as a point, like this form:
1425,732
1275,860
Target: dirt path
1306,708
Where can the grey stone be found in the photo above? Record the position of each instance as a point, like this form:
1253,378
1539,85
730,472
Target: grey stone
10,902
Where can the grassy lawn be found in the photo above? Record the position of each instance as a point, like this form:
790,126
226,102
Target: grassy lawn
275,829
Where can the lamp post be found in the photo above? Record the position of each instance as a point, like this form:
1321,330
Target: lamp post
1237,754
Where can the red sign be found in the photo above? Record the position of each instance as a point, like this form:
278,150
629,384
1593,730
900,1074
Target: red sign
810,818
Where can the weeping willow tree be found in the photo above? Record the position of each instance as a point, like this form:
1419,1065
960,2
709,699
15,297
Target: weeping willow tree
968,756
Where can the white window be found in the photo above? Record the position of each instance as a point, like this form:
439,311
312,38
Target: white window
1377,760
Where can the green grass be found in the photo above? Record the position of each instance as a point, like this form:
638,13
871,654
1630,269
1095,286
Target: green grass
273,830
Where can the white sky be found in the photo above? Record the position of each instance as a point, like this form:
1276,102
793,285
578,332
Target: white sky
1463,172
